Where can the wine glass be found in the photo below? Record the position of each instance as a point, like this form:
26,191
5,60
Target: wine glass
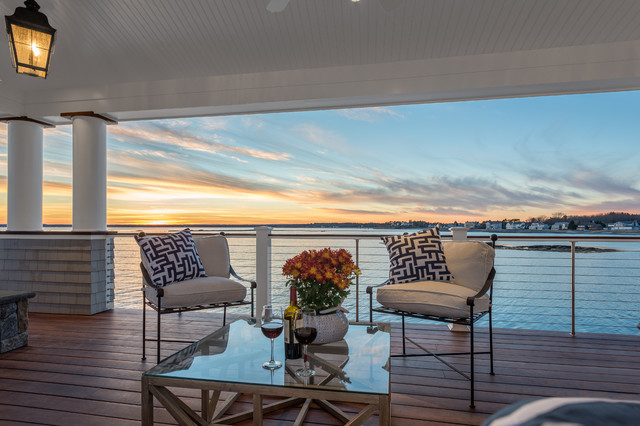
306,329
271,327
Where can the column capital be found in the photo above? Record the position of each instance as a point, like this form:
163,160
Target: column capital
31,120
72,115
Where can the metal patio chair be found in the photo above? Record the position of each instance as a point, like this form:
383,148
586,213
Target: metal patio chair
462,301
216,290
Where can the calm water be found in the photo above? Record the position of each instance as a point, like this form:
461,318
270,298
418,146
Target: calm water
532,289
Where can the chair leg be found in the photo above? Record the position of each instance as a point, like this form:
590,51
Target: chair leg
471,375
224,316
404,348
158,339
144,328
491,343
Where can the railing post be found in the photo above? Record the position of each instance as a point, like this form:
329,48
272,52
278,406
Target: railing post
357,281
263,268
573,288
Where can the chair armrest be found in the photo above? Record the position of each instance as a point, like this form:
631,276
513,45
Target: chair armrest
146,278
487,285
371,287
146,281
239,278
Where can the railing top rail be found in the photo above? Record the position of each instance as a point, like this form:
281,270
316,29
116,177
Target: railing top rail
351,236
196,233
482,237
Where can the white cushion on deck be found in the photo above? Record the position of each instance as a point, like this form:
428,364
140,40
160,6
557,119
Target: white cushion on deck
199,291
438,298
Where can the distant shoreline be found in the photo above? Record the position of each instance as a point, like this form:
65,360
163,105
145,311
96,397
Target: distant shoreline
360,226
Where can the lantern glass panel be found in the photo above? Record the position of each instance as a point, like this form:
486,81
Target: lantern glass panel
32,50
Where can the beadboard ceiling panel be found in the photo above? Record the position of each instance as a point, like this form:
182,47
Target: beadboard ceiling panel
105,42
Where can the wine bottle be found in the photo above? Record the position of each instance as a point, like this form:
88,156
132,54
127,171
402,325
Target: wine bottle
292,348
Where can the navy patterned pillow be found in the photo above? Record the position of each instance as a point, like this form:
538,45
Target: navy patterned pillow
171,258
416,257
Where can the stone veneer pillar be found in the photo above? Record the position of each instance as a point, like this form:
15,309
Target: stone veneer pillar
14,320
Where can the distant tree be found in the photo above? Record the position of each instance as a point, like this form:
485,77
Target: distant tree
572,226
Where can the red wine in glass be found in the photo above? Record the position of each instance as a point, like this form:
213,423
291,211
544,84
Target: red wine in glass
271,326
272,330
306,331
306,335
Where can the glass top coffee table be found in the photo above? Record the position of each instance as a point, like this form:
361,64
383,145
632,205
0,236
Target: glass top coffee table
355,369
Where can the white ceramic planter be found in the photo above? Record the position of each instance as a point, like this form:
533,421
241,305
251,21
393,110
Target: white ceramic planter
331,328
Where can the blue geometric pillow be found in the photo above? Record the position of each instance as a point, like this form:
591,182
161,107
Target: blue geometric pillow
171,258
416,257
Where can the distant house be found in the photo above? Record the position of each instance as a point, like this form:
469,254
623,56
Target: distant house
560,226
538,226
595,227
623,226
494,225
516,225
471,225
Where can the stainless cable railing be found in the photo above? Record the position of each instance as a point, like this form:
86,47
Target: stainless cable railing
566,282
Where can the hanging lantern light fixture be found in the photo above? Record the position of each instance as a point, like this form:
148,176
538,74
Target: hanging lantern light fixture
30,40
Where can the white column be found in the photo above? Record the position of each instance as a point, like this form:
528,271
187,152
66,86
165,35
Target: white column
89,174
24,177
263,268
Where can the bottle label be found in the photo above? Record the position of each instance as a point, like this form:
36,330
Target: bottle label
287,331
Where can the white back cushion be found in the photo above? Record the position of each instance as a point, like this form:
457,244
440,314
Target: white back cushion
214,254
470,262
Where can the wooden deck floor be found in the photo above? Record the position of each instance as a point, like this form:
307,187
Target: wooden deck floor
86,370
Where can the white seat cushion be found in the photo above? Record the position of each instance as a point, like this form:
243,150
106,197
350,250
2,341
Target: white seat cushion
438,298
214,254
470,262
199,291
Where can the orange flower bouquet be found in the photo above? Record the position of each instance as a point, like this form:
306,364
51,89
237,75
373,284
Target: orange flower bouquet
321,277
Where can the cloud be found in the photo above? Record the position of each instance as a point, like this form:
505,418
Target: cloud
466,195
356,211
321,138
369,115
174,139
215,123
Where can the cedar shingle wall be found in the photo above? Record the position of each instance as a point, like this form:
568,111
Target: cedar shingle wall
69,276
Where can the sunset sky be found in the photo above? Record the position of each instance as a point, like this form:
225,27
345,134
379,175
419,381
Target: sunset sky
511,158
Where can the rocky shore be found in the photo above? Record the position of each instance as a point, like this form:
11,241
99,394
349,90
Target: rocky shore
558,248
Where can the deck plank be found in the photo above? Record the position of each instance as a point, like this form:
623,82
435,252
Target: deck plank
86,370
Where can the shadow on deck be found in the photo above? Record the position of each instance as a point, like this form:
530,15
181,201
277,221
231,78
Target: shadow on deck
86,370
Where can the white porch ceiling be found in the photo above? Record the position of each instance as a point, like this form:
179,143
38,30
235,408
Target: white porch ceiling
137,59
